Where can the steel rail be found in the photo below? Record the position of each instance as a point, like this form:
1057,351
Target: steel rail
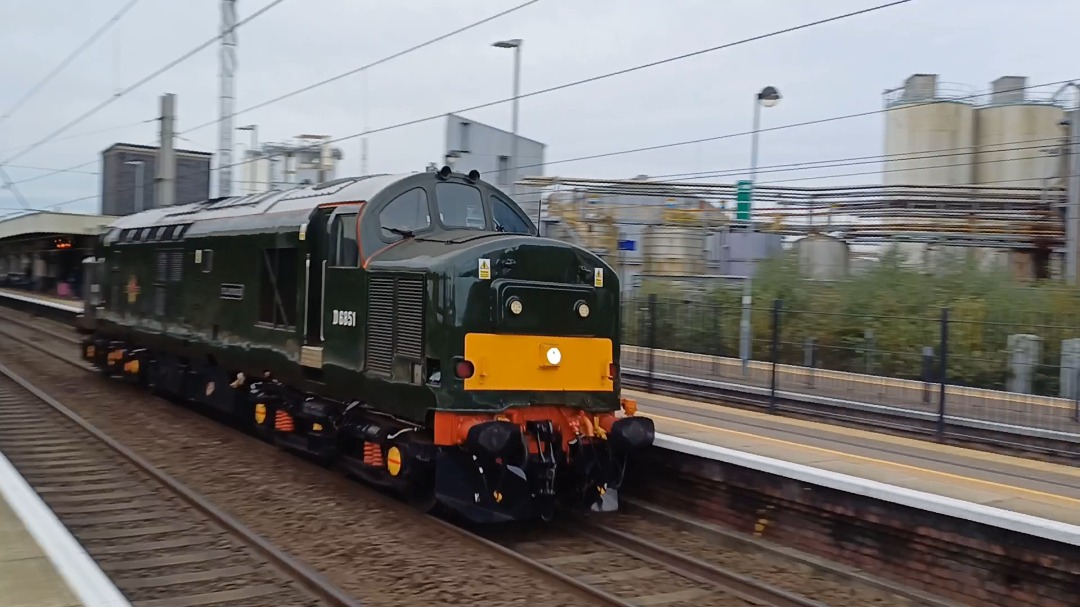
722,578
307,577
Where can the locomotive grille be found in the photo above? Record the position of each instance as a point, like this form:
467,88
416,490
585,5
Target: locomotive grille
162,266
395,321
176,265
380,343
409,324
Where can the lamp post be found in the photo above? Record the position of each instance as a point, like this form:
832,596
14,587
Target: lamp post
138,164
253,152
767,97
512,165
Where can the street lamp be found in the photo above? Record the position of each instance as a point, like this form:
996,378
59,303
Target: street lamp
516,45
253,151
768,97
139,164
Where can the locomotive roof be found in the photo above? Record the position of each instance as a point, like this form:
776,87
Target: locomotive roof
265,209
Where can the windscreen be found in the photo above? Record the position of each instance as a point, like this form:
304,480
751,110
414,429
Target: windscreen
460,206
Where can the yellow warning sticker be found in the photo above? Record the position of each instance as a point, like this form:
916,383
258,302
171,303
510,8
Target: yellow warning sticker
598,277
485,268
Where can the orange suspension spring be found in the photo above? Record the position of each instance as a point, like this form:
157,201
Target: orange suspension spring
373,455
283,422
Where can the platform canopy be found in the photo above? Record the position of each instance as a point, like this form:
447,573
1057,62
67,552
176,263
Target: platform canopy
49,223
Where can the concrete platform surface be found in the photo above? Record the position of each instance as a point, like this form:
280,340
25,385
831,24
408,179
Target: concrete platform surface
41,564
1039,489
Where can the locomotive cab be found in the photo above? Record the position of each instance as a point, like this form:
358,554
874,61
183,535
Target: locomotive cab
515,341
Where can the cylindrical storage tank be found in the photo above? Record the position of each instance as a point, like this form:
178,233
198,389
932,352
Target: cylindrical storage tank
822,257
1010,139
929,134
673,250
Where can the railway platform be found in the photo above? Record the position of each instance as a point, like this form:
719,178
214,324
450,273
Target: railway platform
1022,495
41,564
73,306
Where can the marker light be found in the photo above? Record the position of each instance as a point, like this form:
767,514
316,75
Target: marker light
464,369
554,357
582,309
515,306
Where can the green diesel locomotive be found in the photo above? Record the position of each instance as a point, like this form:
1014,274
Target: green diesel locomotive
412,328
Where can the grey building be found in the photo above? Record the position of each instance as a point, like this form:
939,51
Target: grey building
474,145
121,171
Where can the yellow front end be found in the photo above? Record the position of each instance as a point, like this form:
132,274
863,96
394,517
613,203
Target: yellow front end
539,363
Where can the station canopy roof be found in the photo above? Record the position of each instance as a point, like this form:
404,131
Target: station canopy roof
49,223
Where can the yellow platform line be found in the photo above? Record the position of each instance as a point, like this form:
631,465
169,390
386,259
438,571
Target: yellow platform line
856,433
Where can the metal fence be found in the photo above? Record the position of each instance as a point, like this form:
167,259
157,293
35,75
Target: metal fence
1018,375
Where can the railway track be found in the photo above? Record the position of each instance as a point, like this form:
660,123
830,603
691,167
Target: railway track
621,569
162,544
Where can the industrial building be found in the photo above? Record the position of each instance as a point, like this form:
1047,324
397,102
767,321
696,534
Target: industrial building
940,135
307,159
647,231
968,177
128,178
474,145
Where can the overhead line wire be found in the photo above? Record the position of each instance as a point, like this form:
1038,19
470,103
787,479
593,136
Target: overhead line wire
607,75
787,169
321,83
668,145
592,79
67,61
629,191
86,133
357,70
141,82
770,129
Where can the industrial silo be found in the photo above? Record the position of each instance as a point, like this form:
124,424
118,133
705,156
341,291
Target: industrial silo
822,257
1011,133
929,133
674,250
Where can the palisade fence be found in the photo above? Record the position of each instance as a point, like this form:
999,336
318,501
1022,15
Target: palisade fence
1008,371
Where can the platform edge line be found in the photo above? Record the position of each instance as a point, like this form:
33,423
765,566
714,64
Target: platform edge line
77,568
939,504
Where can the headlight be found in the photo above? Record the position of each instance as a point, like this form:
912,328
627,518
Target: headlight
632,433
582,309
515,306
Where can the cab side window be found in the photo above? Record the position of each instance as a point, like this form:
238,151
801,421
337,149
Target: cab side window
344,252
506,220
405,215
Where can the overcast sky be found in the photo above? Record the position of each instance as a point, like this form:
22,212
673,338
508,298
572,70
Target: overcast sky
833,69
